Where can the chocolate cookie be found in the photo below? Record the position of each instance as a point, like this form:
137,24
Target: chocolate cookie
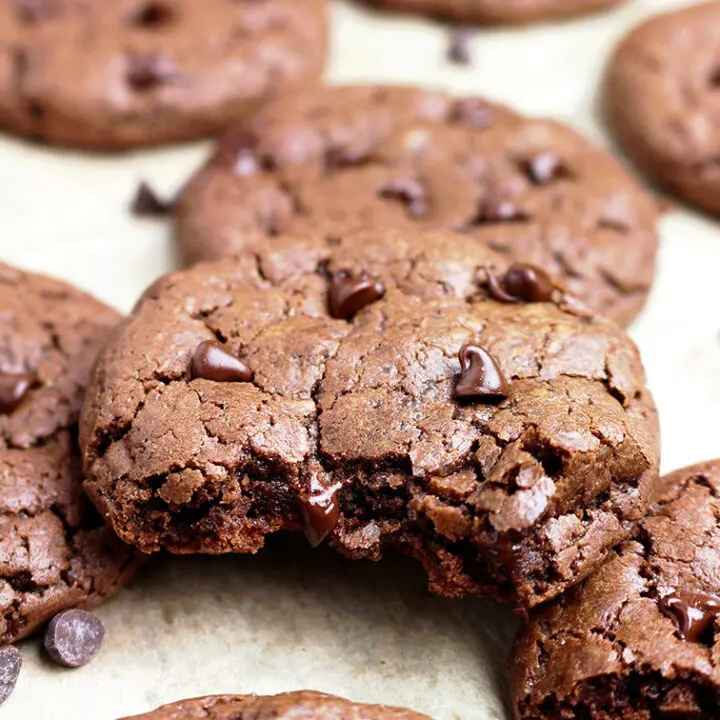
388,389
350,158
287,706
108,76
660,99
494,12
55,553
639,639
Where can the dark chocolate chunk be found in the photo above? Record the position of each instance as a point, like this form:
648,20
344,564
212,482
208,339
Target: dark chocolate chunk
10,665
480,375
147,203
350,293
154,14
13,387
409,192
320,509
212,361
495,209
545,167
342,157
694,613
459,46
150,70
472,112
528,283
73,637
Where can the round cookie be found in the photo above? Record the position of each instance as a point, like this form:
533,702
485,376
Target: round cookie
286,706
110,76
350,158
641,637
317,384
55,552
660,101
496,12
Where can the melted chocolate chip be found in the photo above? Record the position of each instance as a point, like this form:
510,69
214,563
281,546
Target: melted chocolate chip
350,293
473,112
320,509
545,167
495,289
147,203
525,283
459,46
73,637
212,361
150,71
480,375
233,144
10,665
154,14
694,613
409,192
13,387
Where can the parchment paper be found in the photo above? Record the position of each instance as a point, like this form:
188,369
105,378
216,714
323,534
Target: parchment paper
291,617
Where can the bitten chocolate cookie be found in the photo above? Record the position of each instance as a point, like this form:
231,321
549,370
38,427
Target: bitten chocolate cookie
639,639
55,552
493,12
287,706
660,100
384,390
122,74
352,158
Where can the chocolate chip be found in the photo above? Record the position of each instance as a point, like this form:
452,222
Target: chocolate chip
320,509
154,14
694,613
480,375
521,283
458,51
496,209
13,387
32,11
545,167
10,665
472,112
350,293
212,361
409,192
149,71
73,637
147,203
338,157
232,143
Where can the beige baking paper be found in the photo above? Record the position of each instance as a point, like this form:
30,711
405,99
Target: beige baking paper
291,617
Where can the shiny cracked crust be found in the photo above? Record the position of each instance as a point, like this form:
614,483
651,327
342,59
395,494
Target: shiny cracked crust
519,499
355,158
496,11
660,100
607,649
54,551
99,75
287,706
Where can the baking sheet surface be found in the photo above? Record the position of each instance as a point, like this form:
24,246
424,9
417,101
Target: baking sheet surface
291,617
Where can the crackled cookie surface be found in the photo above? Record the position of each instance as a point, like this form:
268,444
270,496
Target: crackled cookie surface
55,553
106,76
639,639
661,101
496,11
287,706
383,389
349,158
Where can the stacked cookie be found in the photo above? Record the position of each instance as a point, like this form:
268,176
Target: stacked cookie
399,328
